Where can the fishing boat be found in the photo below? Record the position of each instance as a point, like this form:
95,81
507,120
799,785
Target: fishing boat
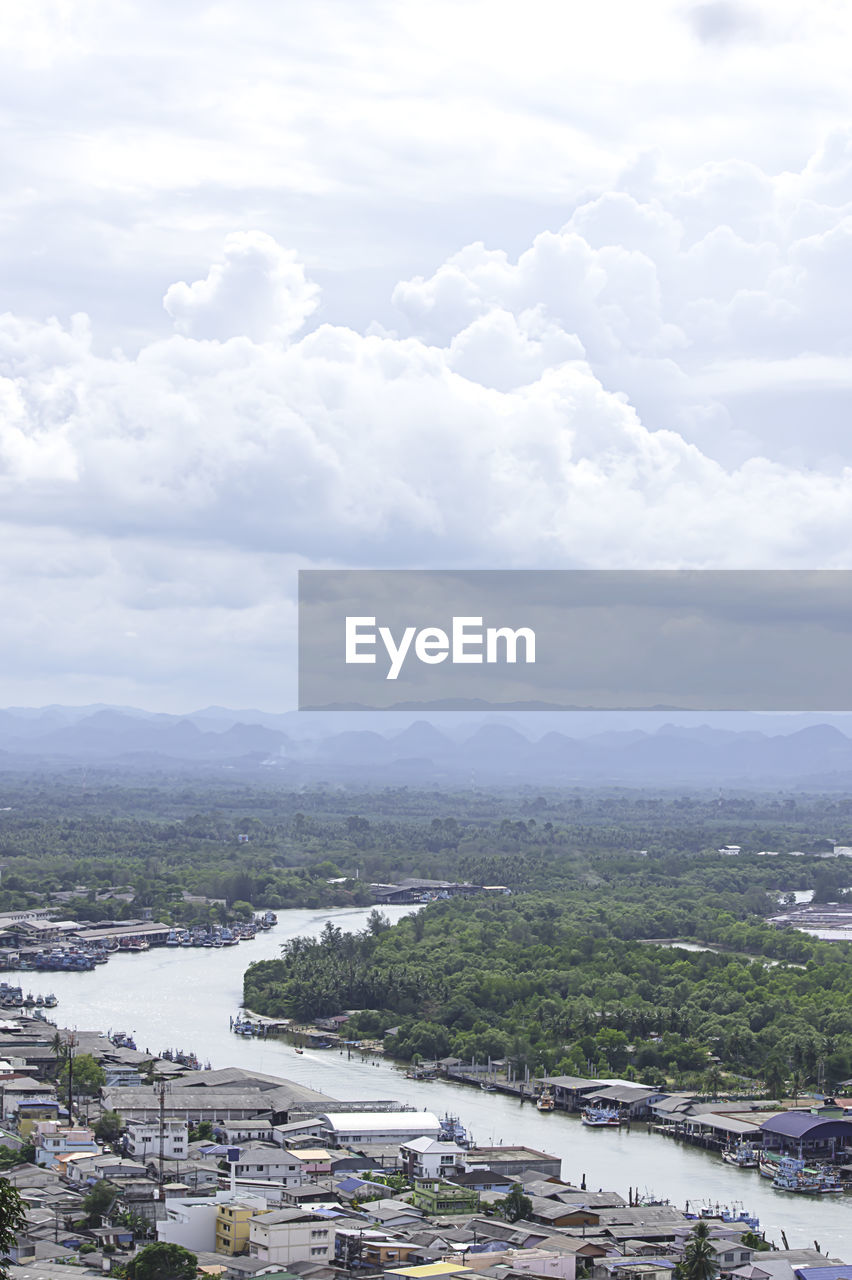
741,1156
453,1131
794,1175
601,1117
487,1086
544,1101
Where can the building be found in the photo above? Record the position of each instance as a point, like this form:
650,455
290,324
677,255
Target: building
269,1163
285,1236
142,1139
805,1135
232,1225
193,1221
514,1162
368,1250
53,1140
428,1158
348,1128
438,1198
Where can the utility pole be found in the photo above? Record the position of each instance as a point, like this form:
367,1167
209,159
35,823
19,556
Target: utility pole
72,1040
160,1177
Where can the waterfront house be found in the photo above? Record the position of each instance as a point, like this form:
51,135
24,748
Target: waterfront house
352,1128
630,1101
806,1136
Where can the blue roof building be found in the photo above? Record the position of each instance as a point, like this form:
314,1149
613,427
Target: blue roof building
803,1134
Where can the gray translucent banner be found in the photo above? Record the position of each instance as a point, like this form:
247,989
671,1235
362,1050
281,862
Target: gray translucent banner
701,640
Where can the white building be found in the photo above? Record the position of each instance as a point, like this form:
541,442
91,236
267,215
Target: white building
191,1222
52,1141
343,1128
427,1158
269,1163
142,1140
291,1235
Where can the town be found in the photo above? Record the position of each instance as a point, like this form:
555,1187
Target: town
114,1150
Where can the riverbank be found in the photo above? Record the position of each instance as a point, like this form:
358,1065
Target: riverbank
186,999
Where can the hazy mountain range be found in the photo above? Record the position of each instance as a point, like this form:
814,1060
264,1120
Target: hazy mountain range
393,748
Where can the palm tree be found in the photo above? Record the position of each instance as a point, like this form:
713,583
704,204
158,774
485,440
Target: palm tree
699,1257
713,1079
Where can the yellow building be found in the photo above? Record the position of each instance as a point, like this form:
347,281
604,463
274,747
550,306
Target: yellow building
232,1227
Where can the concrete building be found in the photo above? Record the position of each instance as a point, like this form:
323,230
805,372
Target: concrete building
269,1163
514,1162
293,1235
428,1158
191,1221
53,1140
438,1198
142,1139
345,1128
232,1226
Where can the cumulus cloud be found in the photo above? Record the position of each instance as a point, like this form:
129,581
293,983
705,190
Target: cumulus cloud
633,389
258,290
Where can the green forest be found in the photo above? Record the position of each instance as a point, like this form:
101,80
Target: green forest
565,982
564,971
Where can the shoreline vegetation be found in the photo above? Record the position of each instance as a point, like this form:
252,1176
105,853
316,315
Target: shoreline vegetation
560,967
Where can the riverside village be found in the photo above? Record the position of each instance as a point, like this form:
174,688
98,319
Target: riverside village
114,1148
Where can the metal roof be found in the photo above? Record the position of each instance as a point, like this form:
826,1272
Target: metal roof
381,1121
801,1124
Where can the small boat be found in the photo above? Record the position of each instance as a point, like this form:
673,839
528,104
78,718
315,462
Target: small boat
601,1117
742,1156
544,1101
298,1050
487,1086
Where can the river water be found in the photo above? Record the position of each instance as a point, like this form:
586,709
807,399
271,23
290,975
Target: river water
181,998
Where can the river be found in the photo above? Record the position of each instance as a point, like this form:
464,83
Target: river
177,998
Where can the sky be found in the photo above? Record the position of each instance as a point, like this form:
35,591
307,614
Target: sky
399,285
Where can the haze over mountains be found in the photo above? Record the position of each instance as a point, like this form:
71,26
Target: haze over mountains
453,750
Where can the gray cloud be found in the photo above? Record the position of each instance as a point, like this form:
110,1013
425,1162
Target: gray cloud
721,21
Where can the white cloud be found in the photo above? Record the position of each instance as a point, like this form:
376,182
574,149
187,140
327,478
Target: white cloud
619,240
259,291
